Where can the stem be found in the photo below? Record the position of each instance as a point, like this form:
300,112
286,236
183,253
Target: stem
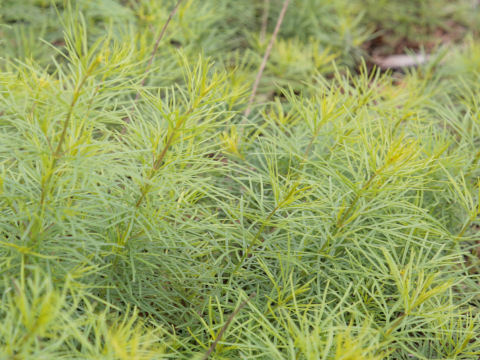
279,206
473,165
265,57
263,31
76,95
57,152
156,166
159,160
152,56
157,163
224,327
254,241
395,324
466,226
365,186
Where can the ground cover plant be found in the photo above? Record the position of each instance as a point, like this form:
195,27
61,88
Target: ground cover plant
151,208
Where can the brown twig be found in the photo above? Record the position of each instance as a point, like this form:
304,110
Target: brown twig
266,56
225,326
154,51
263,31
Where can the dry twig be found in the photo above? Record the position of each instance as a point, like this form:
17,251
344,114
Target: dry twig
266,56
263,31
154,51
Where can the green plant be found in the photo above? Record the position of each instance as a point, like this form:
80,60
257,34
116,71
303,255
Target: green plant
143,216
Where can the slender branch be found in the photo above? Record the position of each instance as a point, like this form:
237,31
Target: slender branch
61,141
157,163
76,95
279,206
225,326
395,324
265,57
254,241
263,31
473,165
464,228
154,51
45,184
351,207
467,225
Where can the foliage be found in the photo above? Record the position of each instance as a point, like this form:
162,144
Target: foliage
338,221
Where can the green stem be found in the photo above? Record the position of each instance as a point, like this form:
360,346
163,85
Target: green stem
395,324
364,187
45,187
279,206
155,167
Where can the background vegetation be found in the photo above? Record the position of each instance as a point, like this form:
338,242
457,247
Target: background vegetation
143,215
